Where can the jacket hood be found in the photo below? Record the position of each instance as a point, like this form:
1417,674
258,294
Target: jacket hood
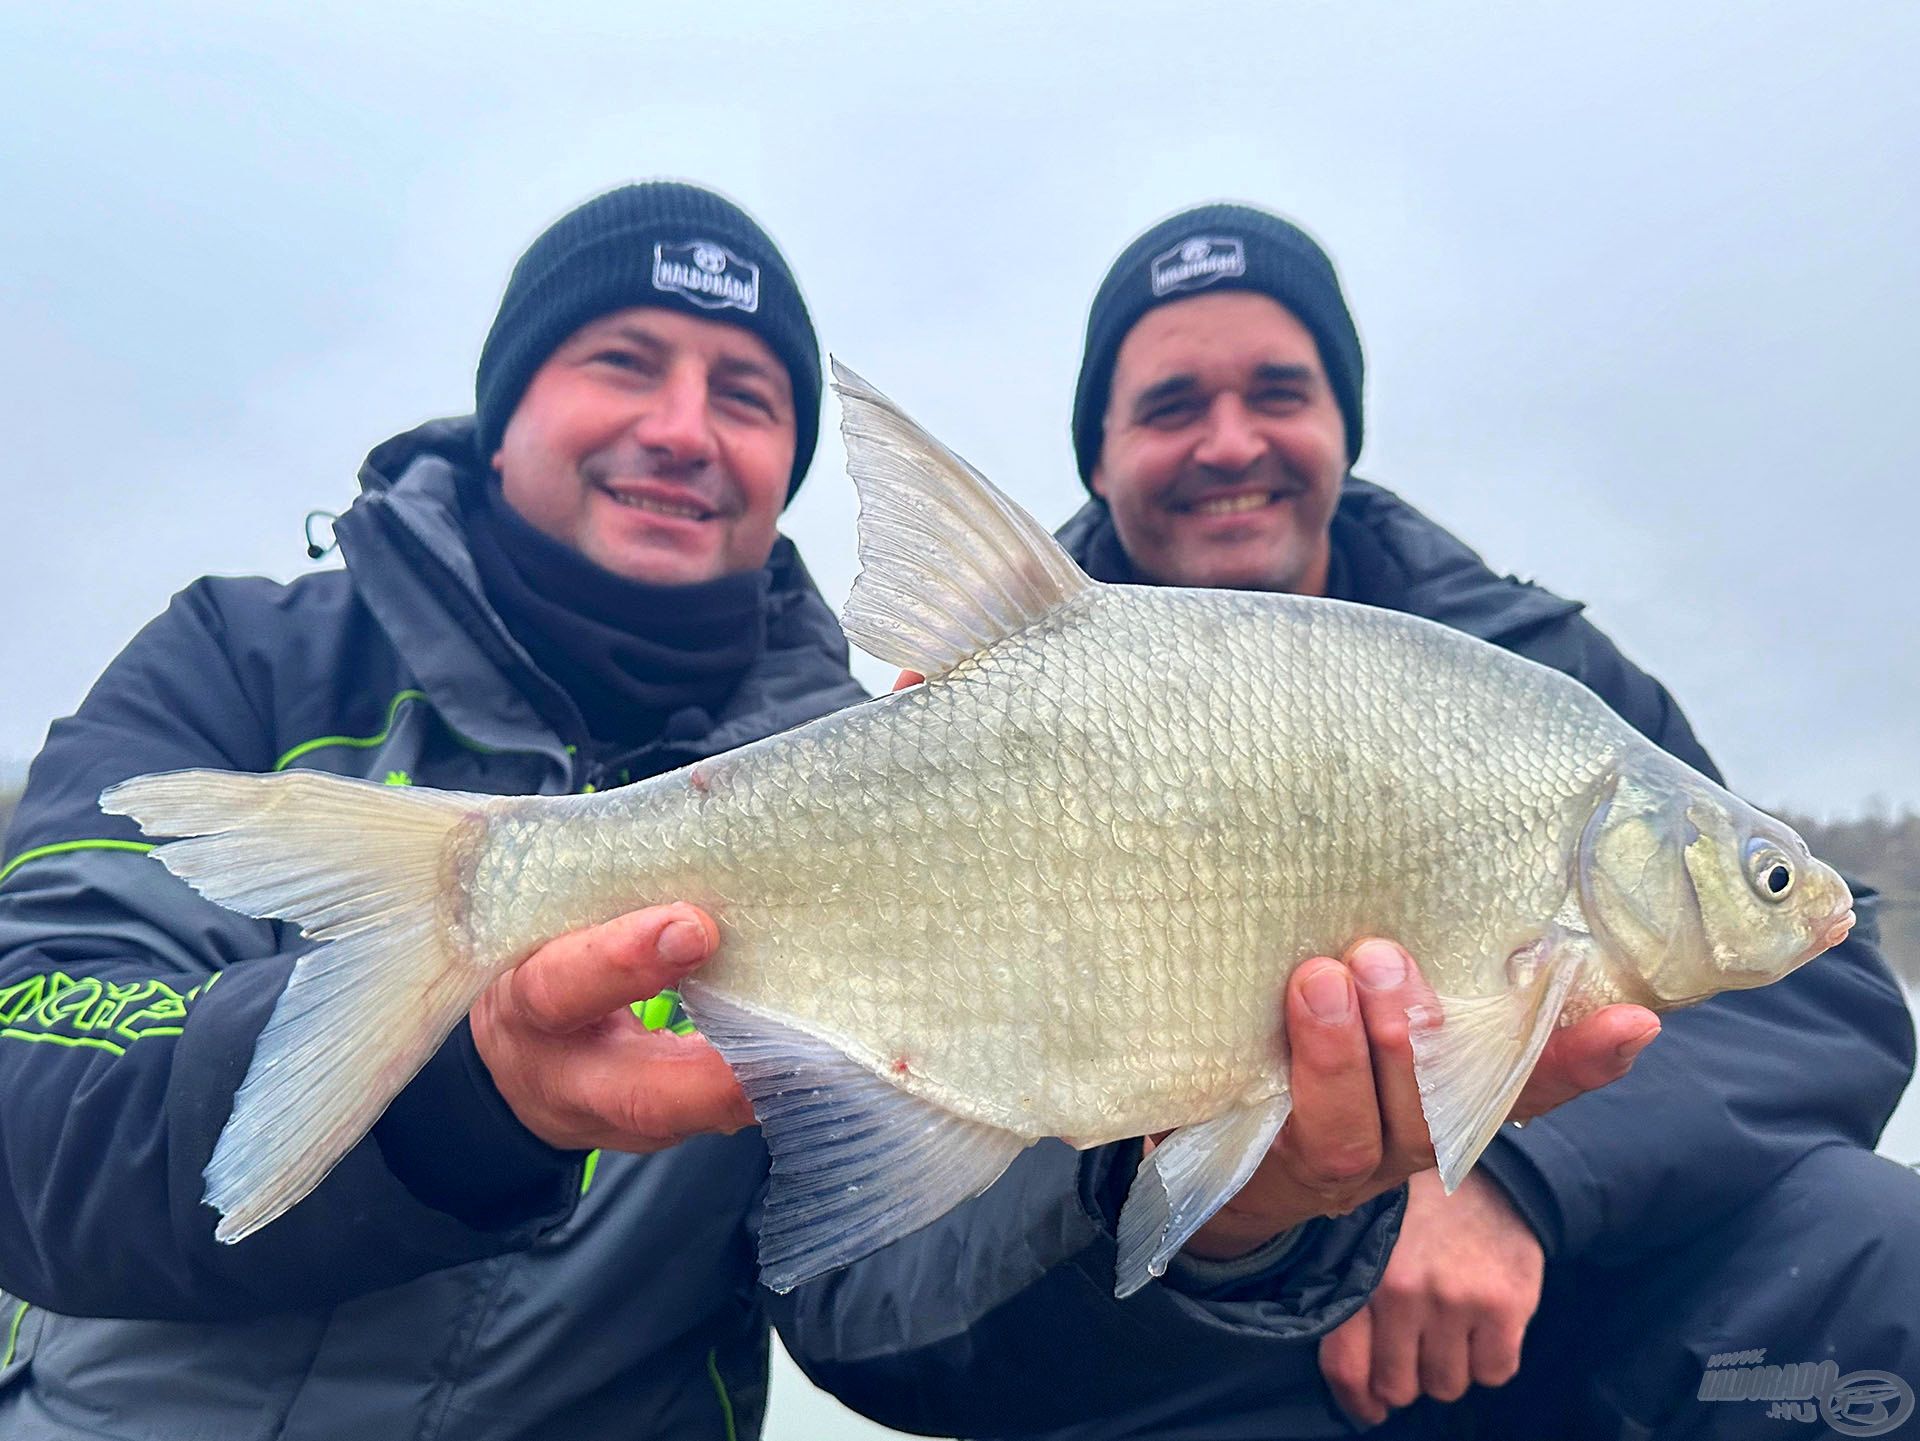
451,439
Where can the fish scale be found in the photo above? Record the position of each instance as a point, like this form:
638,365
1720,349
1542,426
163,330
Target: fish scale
1055,891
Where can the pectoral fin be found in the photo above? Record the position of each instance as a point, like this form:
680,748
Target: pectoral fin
1473,1057
1189,1176
857,1162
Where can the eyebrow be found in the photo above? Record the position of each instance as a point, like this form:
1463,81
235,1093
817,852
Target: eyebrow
734,365
631,333
1175,387
1270,374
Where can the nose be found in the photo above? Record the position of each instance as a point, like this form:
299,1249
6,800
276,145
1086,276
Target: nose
675,424
1230,442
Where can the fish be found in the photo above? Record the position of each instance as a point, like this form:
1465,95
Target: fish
1055,890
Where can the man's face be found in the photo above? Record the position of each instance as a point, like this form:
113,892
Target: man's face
656,444
1224,448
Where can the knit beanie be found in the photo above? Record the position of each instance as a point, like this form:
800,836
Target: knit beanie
661,243
1215,247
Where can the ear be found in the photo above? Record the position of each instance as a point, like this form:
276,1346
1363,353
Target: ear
1097,482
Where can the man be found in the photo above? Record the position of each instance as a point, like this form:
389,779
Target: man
1723,1198
550,1232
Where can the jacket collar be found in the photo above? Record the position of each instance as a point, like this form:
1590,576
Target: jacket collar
1399,560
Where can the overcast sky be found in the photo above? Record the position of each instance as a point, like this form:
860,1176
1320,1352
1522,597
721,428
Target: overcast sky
1638,283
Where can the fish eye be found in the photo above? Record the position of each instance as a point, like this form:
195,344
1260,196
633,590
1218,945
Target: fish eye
1769,871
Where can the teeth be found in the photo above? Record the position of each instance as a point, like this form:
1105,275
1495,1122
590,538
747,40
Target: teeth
1233,504
660,507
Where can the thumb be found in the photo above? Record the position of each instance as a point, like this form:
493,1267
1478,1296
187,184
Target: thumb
1586,1056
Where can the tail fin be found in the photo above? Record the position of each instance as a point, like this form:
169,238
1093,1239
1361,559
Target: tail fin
379,873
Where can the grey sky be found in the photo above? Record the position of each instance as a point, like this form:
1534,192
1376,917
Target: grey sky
1637,283
1636,286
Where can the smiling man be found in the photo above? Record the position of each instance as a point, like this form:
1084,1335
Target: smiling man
1223,458
1723,1196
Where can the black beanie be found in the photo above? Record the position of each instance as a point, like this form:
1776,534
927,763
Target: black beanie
661,243
1215,247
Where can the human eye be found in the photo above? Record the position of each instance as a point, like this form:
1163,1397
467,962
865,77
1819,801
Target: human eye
1278,399
1169,414
620,357
747,397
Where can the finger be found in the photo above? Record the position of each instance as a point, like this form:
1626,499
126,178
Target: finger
908,678
1585,1056
1444,1367
580,977
662,1088
1346,1359
1398,1321
1389,984
1494,1352
1332,1138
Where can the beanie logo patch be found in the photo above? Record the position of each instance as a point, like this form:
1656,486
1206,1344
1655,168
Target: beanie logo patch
708,274
1197,261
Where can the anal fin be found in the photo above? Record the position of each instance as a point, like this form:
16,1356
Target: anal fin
1188,1177
1473,1057
857,1162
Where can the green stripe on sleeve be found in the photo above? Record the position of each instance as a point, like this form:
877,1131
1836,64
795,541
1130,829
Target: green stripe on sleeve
720,1390
13,1337
61,847
358,742
368,742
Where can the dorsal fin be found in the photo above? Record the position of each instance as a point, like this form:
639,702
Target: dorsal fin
948,565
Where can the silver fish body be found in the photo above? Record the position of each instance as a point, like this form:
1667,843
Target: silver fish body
1059,889
1055,891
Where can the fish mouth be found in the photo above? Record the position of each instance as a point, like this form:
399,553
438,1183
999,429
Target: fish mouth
1837,930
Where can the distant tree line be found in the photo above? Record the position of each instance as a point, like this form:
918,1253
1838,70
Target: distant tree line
1881,850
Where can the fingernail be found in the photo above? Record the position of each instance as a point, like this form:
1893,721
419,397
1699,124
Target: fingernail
1629,1049
682,943
1329,996
1380,965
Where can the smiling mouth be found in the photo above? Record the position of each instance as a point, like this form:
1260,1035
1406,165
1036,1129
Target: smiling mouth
657,505
1233,504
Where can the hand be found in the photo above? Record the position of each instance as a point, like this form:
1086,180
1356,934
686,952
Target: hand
1452,1308
1356,1128
577,1066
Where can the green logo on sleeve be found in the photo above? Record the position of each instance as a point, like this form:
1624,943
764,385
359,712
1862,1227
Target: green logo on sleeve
87,1011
